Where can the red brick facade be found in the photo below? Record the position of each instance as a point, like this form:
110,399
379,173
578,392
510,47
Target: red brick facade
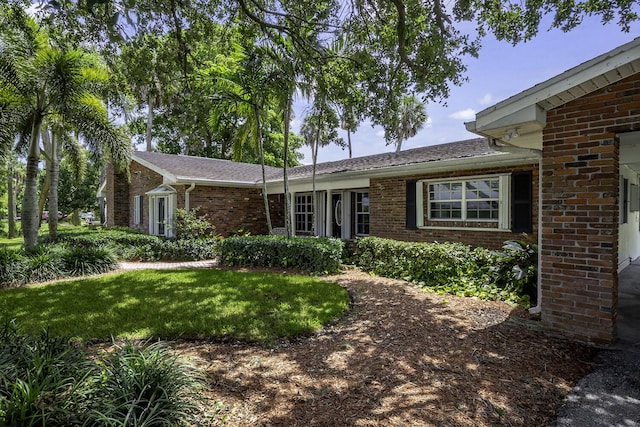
388,205
580,175
228,208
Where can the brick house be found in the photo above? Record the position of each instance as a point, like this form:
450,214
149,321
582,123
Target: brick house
581,129
585,125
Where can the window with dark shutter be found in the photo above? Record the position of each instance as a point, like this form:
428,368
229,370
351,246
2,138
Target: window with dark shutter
411,205
521,202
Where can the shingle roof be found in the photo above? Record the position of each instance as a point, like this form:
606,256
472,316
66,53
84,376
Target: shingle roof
200,168
203,168
454,150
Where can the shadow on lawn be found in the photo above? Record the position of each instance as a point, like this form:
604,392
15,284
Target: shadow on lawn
170,304
404,357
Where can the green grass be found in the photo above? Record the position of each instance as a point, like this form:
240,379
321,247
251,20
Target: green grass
167,304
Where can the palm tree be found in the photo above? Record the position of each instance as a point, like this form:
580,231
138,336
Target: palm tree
411,117
244,92
44,80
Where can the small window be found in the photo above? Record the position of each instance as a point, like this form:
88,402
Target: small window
362,213
304,213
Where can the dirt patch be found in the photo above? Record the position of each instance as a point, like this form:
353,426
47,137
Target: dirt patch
402,357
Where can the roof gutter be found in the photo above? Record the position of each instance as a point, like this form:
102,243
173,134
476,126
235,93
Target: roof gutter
186,196
508,148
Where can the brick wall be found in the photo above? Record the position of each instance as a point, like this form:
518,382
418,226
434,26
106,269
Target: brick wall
580,175
143,179
388,211
117,190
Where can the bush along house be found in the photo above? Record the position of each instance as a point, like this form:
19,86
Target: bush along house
559,161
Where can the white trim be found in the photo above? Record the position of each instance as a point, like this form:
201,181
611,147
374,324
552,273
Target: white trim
137,217
504,204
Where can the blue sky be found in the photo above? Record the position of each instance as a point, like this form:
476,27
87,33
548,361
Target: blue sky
501,71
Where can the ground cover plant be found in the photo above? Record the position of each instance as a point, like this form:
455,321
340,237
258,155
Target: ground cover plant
48,380
194,303
320,255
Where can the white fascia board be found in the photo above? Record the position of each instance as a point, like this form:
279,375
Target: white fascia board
101,189
216,182
167,177
335,184
532,116
563,82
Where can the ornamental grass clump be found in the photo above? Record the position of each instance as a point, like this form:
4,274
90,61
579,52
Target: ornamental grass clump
78,261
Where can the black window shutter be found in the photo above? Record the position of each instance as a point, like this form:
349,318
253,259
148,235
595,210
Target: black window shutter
411,205
521,202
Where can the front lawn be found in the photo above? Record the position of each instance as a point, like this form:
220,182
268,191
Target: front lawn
191,303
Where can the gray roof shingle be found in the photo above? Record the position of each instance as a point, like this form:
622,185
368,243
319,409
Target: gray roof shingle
201,168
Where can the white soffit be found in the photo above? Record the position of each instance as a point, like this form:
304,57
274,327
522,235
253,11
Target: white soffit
590,76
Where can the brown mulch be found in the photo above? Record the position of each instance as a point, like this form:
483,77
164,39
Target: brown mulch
401,357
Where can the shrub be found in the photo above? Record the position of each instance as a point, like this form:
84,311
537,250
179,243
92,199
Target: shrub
79,261
308,254
146,387
188,225
12,268
189,249
452,268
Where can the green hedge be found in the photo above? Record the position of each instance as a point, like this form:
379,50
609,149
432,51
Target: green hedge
309,254
452,268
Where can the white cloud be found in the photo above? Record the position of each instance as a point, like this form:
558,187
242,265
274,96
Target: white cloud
486,99
468,114
380,133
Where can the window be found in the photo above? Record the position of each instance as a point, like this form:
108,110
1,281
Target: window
362,213
476,200
481,202
138,204
304,213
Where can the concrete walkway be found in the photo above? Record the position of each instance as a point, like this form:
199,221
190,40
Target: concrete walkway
208,263
610,394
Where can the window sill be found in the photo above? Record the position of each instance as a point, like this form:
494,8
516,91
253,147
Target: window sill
457,228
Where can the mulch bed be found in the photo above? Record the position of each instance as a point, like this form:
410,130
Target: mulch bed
401,357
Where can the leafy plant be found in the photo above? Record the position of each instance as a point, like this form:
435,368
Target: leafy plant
309,254
188,225
43,263
189,250
146,386
79,261
12,266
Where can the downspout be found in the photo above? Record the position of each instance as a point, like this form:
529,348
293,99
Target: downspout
507,148
186,196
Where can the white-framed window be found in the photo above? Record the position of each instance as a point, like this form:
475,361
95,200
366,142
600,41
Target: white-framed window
362,213
138,209
482,199
304,213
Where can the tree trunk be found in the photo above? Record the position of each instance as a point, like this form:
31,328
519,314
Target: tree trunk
150,104
265,196
30,220
11,202
349,142
287,200
398,145
53,176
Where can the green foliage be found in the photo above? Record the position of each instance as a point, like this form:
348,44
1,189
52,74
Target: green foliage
189,249
44,263
452,268
47,380
12,267
188,225
82,261
308,254
516,267
146,386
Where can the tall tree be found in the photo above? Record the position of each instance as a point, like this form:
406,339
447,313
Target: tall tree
46,79
410,118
